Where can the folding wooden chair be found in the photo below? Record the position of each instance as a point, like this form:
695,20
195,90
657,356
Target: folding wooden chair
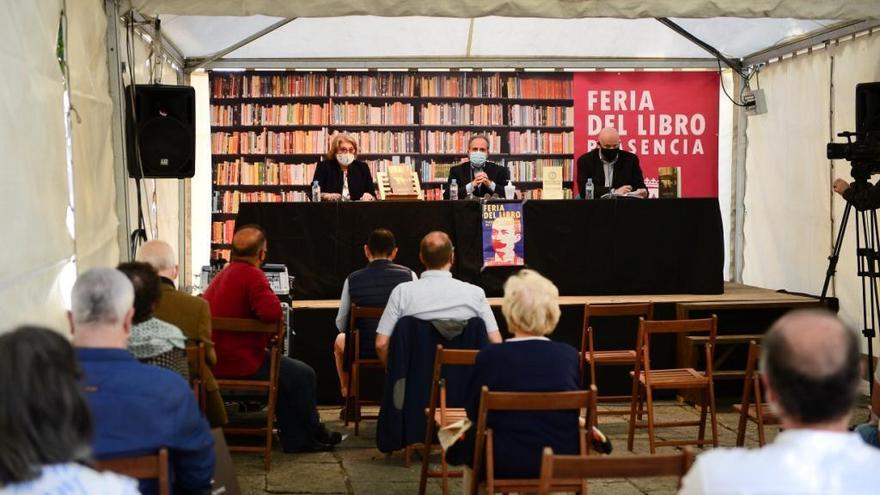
647,379
141,467
752,408
589,355
354,402
269,385
556,469
438,418
195,357
525,401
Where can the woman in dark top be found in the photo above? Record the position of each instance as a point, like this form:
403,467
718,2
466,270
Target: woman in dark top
341,176
528,362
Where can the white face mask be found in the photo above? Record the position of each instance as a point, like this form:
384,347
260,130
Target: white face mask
344,159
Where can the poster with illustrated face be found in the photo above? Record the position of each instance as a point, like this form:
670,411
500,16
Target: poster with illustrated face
502,234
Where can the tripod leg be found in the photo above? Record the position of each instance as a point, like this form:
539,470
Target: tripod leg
835,252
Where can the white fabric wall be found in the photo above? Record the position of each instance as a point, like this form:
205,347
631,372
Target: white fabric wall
200,212
33,174
791,214
95,186
160,198
725,166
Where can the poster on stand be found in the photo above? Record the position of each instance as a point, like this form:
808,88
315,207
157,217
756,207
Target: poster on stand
502,234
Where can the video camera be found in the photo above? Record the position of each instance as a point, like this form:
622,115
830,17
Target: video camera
863,153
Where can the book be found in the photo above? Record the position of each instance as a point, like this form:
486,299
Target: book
552,179
669,182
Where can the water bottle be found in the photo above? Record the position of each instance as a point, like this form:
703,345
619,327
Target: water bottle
316,192
509,191
453,189
588,190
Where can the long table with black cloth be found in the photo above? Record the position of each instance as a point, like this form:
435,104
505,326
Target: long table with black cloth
599,247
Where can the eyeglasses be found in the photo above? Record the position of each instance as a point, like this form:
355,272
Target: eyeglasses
609,146
345,150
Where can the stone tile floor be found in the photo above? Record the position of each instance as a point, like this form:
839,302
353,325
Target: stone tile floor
357,467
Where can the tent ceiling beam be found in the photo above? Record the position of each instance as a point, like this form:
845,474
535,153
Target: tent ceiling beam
736,65
811,39
444,63
146,25
194,64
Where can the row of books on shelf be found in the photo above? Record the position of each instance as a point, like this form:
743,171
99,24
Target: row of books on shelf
463,114
379,85
256,114
537,142
387,85
229,201
268,85
538,193
269,142
272,173
461,86
539,88
532,170
548,116
455,141
364,114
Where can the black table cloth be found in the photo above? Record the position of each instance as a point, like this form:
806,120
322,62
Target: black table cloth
600,247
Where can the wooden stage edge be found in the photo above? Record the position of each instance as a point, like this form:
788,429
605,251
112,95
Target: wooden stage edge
733,292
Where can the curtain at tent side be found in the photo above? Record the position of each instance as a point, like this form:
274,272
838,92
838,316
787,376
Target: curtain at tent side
854,62
202,195
33,177
93,160
788,181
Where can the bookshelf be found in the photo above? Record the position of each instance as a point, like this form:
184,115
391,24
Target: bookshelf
269,129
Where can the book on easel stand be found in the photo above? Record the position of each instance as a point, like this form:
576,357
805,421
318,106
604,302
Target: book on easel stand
399,182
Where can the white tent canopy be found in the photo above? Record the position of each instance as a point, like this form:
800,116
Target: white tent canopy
564,9
371,37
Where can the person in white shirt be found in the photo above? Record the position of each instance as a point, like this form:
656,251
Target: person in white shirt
810,371
435,296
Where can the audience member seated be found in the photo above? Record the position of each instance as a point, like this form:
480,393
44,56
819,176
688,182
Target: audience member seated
810,365
241,290
45,427
152,340
435,296
528,362
370,287
137,408
191,315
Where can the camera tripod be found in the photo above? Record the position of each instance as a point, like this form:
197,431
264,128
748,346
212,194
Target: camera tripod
867,258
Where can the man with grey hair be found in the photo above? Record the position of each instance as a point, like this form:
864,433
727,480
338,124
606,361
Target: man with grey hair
136,408
190,314
810,371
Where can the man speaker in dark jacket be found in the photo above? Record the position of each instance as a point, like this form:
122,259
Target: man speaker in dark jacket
478,177
611,168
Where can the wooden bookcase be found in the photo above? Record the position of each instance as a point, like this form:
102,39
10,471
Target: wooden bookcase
269,129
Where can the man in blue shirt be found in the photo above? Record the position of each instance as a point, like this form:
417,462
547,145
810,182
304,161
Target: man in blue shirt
137,408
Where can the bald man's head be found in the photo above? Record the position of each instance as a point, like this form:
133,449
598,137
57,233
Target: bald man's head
159,255
811,361
609,137
248,242
435,250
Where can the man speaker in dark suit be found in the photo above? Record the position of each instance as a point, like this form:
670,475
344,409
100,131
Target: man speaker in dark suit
612,169
478,177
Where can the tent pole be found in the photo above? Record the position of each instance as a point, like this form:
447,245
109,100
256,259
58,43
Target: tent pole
740,147
733,64
235,46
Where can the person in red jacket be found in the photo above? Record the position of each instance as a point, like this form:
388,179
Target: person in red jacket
241,290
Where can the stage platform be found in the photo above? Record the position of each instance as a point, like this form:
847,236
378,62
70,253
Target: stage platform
733,292
741,309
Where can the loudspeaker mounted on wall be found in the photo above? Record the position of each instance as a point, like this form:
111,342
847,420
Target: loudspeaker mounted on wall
162,127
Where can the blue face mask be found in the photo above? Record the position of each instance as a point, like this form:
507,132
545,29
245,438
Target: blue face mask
478,158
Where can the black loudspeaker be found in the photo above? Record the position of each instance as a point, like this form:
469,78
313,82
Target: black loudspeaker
868,107
163,128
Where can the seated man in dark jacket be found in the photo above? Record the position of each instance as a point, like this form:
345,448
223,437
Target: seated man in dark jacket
529,362
369,287
478,177
612,169
137,408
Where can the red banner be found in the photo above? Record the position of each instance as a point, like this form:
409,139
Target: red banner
666,118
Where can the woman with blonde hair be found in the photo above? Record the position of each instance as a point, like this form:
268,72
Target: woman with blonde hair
342,176
528,362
